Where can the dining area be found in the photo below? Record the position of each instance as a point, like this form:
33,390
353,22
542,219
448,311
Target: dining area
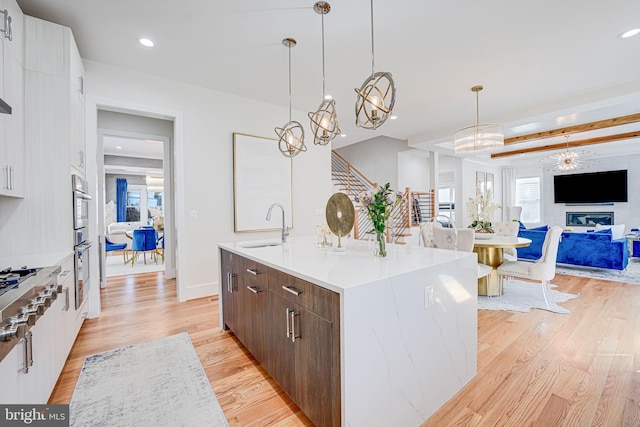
141,247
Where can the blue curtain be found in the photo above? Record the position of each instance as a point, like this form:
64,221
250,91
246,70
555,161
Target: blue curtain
121,200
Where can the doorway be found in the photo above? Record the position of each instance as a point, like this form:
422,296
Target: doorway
135,151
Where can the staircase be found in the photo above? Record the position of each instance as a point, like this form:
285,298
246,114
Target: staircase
417,206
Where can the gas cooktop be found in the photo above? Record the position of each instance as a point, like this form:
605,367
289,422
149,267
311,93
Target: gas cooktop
10,279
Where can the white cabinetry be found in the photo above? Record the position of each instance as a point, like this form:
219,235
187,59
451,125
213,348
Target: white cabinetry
53,66
12,142
49,342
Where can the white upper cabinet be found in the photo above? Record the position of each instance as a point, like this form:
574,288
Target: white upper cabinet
50,49
12,142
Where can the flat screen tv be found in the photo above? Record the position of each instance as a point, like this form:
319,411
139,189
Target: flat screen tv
595,187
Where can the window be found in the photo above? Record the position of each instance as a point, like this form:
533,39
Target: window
446,201
528,196
133,205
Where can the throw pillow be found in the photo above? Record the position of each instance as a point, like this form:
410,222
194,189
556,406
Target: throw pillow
617,231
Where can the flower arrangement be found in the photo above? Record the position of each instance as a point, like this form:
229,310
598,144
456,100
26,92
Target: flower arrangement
323,231
378,207
481,209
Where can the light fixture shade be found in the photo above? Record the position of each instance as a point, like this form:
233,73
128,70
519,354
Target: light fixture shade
324,123
291,139
480,138
375,101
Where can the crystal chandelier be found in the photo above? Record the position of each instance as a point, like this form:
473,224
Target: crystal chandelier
478,138
376,96
567,161
324,121
291,135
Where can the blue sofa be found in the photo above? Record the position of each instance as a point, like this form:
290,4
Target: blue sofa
590,249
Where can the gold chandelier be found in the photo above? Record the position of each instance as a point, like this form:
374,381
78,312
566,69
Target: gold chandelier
291,135
478,138
376,96
324,121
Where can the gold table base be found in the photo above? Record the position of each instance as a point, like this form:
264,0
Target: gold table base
490,285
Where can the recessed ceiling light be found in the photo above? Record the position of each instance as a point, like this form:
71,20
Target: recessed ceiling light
328,97
343,135
629,33
146,42
119,147
393,117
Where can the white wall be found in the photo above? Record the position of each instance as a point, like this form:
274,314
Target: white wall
205,171
623,213
376,158
413,170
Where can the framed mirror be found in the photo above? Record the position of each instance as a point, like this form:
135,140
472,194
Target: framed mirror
261,176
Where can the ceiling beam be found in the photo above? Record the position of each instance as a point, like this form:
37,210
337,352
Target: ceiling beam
600,124
571,144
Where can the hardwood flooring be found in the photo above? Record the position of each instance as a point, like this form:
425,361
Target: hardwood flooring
534,369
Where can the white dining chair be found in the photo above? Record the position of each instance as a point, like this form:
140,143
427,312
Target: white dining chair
445,238
508,229
544,269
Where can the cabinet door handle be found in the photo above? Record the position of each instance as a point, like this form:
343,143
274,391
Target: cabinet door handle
7,185
10,177
230,279
291,290
81,153
28,357
66,299
81,85
253,289
288,310
254,272
293,326
8,25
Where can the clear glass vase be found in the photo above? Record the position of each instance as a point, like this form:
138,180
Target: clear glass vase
379,245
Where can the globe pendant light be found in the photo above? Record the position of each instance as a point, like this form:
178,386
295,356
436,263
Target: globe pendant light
376,96
324,121
291,135
479,138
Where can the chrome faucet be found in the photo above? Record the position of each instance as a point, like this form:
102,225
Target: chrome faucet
285,229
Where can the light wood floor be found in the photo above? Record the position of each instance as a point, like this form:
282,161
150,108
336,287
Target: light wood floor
534,369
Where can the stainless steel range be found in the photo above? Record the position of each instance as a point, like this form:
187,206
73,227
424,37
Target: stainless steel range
25,295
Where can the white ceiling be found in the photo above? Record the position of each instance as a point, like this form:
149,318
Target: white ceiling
543,64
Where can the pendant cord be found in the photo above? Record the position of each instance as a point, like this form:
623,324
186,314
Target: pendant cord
324,92
373,60
477,110
289,83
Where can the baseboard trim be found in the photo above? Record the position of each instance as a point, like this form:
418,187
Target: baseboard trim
198,291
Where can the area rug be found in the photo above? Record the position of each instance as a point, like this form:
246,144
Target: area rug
629,275
156,383
523,296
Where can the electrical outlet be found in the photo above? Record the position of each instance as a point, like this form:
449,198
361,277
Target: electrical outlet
193,214
428,297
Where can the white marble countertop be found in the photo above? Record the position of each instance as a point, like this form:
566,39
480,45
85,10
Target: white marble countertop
33,260
338,271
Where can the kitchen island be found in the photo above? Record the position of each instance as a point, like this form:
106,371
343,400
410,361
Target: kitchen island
355,340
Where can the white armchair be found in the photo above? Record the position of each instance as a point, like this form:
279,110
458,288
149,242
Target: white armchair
544,269
444,238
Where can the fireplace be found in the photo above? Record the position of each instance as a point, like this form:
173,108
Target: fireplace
589,219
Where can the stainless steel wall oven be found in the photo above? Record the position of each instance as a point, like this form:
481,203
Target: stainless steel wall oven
82,245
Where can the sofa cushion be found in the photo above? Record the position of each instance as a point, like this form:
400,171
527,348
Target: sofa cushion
541,228
616,230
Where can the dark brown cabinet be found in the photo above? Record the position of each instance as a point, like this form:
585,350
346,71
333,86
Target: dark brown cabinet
292,327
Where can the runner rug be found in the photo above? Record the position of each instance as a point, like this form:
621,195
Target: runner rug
156,383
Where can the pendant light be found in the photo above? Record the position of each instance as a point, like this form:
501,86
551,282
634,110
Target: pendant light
568,160
291,135
479,138
324,122
376,96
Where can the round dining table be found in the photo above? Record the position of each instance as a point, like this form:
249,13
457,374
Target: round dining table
490,252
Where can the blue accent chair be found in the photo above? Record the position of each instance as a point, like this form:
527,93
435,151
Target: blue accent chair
110,247
144,240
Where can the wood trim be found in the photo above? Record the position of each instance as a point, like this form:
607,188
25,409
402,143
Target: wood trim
571,144
569,130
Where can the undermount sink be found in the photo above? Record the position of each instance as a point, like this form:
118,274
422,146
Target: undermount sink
260,245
